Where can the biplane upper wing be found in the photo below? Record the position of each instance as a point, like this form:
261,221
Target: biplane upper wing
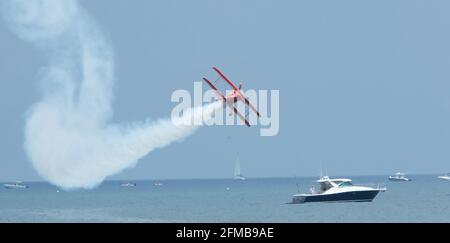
239,114
225,78
237,89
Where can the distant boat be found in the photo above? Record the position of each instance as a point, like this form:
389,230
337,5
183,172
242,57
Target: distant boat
237,171
445,177
15,185
399,177
158,184
128,184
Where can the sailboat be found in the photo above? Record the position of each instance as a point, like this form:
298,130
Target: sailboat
237,171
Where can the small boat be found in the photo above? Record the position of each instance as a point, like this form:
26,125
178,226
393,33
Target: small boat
128,184
399,177
237,171
158,184
15,185
445,177
337,190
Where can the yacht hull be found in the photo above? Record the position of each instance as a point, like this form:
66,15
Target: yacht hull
7,186
354,196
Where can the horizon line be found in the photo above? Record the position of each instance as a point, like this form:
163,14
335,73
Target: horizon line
229,178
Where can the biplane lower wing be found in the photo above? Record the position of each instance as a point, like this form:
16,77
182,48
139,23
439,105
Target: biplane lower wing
215,89
247,102
239,114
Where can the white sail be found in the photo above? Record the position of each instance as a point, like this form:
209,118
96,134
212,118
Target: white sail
237,168
237,171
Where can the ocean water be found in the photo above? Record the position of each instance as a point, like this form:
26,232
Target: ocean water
425,199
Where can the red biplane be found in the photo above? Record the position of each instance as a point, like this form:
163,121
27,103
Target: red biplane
234,97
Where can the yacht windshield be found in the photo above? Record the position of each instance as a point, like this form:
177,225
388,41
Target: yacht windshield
345,184
325,185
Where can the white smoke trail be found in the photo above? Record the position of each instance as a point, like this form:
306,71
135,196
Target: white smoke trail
68,134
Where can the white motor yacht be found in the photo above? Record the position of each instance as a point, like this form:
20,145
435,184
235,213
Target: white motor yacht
445,177
128,184
338,190
15,185
399,177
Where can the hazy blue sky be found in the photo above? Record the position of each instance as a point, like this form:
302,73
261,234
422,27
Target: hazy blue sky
364,85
